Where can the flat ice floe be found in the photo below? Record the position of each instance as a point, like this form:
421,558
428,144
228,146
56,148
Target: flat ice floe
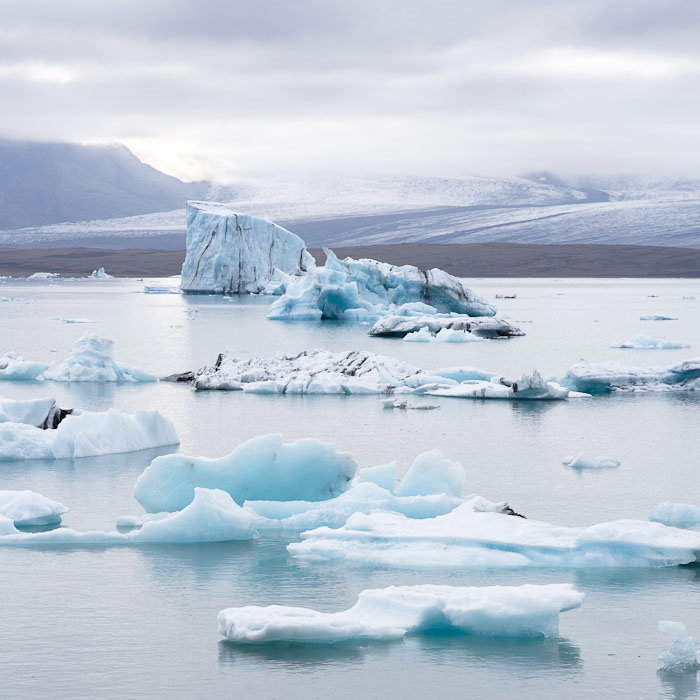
645,342
263,468
86,434
27,508
91,361
603,377
683,656
676,514
15,367
361,289
466,537
657,317
527,611
584,461
212,516
401,325
360,372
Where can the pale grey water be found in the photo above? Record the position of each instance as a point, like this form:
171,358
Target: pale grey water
141,622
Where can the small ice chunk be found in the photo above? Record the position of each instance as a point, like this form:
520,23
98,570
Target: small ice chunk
530,611
77,320
657,317
583,461
100,274
645,342
15,367
27,508
683,656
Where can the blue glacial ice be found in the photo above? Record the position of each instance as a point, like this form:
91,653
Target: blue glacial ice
604,377
212,516
86,434
234,253
15,367
676,514
528,611
683,655
28,508
646,342
91,361
474,536
263,468
362,289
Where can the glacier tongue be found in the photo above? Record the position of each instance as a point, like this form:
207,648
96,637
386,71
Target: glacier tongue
229,252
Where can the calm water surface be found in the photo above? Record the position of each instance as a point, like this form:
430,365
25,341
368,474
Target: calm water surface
141,622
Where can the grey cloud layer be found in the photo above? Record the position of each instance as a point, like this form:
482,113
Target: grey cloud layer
216,87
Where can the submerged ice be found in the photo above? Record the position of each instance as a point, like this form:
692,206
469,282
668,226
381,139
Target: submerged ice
528,611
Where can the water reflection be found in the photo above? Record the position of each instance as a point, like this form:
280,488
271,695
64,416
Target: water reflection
679,686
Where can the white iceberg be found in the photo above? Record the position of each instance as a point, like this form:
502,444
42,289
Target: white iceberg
683,656
528,611
397,326
474,536
583,461
657,317
234,253
444,335
15,367
676,514
603,377
42,275
645,342
91,361
27,508
37,412
86,434
359,289
159,289
527,387
100,274
212,516
263,468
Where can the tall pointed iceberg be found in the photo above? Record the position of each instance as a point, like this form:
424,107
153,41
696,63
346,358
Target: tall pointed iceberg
234,253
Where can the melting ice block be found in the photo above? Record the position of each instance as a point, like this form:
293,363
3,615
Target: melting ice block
395,326
27,508
528,611
228,252
263,468
469,536
13,366
584,461
91,361
683,656
359,289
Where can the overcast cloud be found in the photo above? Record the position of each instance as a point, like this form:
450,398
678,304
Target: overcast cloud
229,89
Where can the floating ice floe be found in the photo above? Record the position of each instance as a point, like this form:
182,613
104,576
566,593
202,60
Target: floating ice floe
444,335
263,468
100,274
212,516
404,405
359,372
85,434
15,367
657,317
529,611
397,326
363,289
645,342
583,461
27,508
683,656
42,275
229,252
91,361
603,377
469,537
676,514
160,289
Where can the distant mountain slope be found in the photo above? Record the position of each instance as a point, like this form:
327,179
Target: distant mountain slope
46,183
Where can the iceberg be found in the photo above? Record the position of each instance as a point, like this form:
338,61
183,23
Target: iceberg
683,656
27,508
231,253
41,413
159,289
91,361
15,367
657,317
397,326
359,289
100,274
86,434
527,387
676,514
474,536
212,516
444,335
529,611
604,377
263,468
42,275
583,461
645,342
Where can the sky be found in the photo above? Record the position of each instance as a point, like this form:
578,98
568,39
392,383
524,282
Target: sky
224,89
